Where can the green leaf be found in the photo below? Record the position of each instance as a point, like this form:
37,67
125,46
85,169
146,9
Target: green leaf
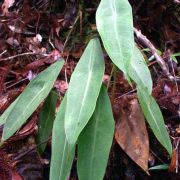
62,153
139,72
46,119
155,119
159,52
176,54
173,56
35,92
146,50
95,141
115,25
83,90
160,167
6,112
174,59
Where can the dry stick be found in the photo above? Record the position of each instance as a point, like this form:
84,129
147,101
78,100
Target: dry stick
127,93
31,149
18,55
66,69
81,24
177,162
143,39
69,33
3,52
16,83
114,85
65,43
112,72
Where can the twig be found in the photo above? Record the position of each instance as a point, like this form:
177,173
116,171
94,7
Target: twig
114,84
138,6
81,24
129,92
66,69
32,148
3,52
177,154
16,83
69,33
143,39
157,156
18,55
112,72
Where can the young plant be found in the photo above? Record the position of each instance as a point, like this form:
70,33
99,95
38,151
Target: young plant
115,26
84,117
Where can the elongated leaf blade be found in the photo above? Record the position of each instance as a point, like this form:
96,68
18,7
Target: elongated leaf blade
47,116
62,153
83,90
155,119
139,72
115,25
160,167
95,141
36,91
6,113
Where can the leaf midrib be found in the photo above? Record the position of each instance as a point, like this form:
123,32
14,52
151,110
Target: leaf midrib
90,67
29,104
153,117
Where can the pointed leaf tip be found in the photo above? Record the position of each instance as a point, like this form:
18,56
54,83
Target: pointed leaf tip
35,92
83,91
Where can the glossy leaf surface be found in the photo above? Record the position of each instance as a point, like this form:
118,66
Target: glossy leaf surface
35,92
115,25
83,91
139,72
155,119
6,112
95,141
62,153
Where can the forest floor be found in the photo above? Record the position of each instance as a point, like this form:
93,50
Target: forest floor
33,34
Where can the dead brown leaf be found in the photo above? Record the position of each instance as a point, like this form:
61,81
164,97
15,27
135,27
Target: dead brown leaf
7,171
131,133
173,163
